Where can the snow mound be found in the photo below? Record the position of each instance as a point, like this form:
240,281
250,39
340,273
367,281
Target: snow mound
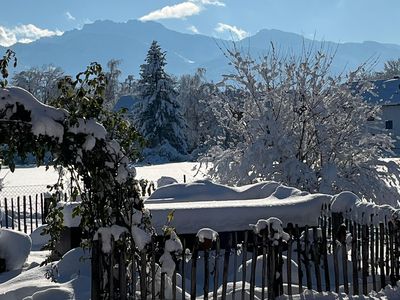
74,263
343,201
165,180
202,204
58,293
203,190
38,238
14,248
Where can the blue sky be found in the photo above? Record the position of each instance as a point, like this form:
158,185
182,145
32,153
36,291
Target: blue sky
334,20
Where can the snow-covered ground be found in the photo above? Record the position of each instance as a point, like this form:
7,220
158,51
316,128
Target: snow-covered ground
199,204
29,176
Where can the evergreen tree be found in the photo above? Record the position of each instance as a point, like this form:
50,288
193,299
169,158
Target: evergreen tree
158,114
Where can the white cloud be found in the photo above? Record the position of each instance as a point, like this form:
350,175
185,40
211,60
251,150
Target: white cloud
180,10
209,2
193,29
6,37
177,11
24,34
238,32
69,16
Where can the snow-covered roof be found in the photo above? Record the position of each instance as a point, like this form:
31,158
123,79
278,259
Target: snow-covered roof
385,92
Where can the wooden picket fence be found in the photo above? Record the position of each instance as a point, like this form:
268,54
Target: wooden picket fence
339,255
23,213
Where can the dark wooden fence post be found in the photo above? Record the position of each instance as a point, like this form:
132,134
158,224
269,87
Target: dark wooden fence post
12,214
226,267
244,259
30,212
365,265
19,214
195,253
183,269
6,211
306,258
24,212
354,255
253,266
317,258
206,274
264,263
300,272
36,211
382,253
372,252
96,271
143,275
122,270
216,267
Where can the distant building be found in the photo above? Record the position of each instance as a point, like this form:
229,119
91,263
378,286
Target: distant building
126,101
387,94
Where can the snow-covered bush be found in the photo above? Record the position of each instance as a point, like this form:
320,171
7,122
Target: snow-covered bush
298,124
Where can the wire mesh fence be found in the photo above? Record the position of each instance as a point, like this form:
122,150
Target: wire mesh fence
14,191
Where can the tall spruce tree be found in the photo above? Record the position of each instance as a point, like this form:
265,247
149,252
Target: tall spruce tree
158,115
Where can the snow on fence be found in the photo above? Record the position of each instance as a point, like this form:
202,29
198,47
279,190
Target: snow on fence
23,213
343,253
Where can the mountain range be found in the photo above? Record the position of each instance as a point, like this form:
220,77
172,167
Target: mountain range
105,40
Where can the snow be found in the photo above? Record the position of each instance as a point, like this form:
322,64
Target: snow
141,237
203,190
165,180
201,204
343,202
207,234
89,127
107,233
71,274
275,224
173,244
38,238
67,210
14,248
46,120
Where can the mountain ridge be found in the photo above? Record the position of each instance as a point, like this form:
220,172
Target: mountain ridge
129,41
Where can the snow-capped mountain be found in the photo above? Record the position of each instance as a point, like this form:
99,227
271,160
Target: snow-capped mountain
105,40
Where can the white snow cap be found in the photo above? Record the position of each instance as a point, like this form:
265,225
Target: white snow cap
45,120
141,237
207,233
114,231
67,210
273,223
173,244
14,248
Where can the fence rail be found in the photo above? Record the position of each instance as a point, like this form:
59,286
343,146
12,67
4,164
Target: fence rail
340,255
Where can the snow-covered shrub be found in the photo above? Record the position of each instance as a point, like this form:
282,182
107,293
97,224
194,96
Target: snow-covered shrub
14,248
298,124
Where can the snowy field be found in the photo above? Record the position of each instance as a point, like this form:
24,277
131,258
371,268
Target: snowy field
31,176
